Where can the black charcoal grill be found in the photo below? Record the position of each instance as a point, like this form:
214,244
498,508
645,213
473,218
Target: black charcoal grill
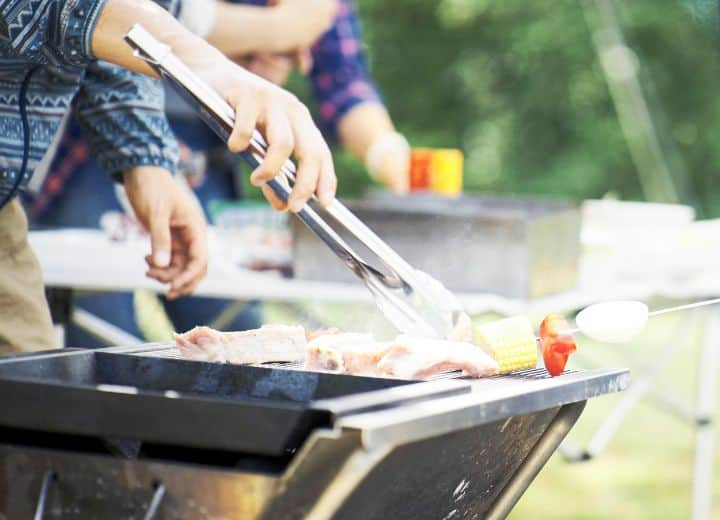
136,433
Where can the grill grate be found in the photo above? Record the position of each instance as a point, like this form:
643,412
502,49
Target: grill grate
171,352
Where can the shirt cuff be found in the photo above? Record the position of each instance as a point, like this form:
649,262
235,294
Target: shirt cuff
80,18
118,164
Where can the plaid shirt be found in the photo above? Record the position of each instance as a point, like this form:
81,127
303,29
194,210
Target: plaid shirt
339,81
339,76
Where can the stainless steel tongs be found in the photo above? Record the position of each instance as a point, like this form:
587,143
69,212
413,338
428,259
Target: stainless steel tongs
413,301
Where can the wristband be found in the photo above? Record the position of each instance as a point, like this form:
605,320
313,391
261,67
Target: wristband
392,142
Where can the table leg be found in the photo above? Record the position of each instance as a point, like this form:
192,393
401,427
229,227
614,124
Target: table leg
103,330
228,315
705,433
639,387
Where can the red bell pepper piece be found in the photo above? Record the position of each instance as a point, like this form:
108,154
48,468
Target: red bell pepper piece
557,343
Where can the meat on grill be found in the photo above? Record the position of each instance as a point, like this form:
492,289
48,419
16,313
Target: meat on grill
270,343
351,353
406,357
418,358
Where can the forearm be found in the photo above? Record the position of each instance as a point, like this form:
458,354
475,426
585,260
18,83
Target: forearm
243,29
118,16
362,126
367,131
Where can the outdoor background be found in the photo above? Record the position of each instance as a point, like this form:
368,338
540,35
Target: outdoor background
571,99
522,89
519,87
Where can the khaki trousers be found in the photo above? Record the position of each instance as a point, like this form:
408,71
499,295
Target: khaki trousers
25,323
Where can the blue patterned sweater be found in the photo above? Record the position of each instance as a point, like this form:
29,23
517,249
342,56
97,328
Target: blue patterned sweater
46,62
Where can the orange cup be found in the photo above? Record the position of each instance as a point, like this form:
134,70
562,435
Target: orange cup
420,169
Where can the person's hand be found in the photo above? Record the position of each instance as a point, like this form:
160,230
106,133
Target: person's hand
297,24
176,225
288,129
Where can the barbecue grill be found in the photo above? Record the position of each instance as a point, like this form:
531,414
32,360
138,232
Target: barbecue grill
135,432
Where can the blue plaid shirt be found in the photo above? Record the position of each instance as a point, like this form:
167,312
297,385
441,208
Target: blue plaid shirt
45,48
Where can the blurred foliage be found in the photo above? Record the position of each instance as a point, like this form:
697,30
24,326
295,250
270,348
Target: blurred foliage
518,87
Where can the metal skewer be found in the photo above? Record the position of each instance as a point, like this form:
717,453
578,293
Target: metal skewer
404,295
685,307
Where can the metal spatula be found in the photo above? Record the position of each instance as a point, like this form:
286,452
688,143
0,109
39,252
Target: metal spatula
413,301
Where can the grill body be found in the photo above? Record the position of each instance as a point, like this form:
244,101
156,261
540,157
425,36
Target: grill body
414,450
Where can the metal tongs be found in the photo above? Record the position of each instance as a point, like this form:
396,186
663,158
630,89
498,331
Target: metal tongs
413,301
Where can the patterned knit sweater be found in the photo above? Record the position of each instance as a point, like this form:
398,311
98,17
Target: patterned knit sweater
46,63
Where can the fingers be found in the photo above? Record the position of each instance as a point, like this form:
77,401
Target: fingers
316,173
287,126
276,202
280,145
195,268
189,279
327,184
305,183
178,228
161,243
246,117
164,274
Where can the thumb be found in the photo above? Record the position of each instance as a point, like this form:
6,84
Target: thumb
160,237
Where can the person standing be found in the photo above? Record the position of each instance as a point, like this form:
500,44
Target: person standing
47,48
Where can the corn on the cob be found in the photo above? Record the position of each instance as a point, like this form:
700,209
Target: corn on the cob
510,341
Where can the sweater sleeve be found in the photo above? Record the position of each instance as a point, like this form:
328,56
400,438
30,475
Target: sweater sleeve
123,116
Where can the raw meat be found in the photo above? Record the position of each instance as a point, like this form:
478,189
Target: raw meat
418,358
364,359
326,352
270,343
